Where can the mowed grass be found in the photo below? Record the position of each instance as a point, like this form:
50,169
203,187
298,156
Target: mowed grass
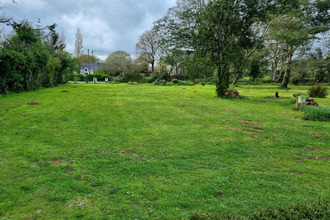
140,151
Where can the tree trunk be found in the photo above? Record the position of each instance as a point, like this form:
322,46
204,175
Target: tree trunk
237,78
287,71
222,83
152,67
274,70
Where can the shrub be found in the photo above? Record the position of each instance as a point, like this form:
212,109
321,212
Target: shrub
318,90
313,210
175,81
130,75
185,83
170,84
160,82
316,210
316,113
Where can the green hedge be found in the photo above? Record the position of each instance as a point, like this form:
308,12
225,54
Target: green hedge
89,77
316,113
313,210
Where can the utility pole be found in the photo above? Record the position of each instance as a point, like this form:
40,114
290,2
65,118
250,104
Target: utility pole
93,66
89,63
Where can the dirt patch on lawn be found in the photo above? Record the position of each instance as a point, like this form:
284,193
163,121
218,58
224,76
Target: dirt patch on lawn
128,153
318,158
34,103
233,128
317,135
56,162
65,91
271,97
248,132
251,123
312,158
254,136
195,91
5,106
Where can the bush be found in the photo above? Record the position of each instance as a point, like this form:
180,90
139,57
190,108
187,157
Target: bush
318,90
316,113
175,81
160,82
89,77
185,83
314,210
130,76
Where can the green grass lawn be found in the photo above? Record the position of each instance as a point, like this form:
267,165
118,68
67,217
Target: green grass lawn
141,151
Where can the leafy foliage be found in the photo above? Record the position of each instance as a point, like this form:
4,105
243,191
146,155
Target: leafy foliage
22,60
129,76
312,210
317,113
117,62
28,63
318,91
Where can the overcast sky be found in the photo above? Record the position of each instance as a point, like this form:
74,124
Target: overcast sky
106,25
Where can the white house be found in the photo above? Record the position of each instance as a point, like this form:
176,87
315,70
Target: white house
85,68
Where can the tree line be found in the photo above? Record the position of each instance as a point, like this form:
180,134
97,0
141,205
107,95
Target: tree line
229,39
210,40
34,58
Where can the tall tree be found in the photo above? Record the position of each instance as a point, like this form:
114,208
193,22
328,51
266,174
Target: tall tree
78,45
3,17
117,62
54,39
225,33
85,58
23,59
294,24
148,47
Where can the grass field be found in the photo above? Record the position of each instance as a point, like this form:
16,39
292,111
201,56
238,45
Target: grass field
140,151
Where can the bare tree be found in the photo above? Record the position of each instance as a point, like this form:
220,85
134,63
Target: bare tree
78,45
148,47
3,17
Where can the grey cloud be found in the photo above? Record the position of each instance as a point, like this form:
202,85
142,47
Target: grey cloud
107,25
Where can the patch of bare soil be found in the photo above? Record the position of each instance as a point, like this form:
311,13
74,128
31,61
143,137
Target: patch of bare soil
207,125
229,110
183,88
65,91
34,103
5,106
233,128
58,161
312,158
254,136
248,132
258,129
128,153
271,97
195,91
318,158
317,135
250,123
69,169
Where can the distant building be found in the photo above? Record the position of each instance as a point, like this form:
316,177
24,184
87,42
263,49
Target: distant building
85,67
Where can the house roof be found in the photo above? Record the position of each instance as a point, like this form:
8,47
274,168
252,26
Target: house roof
96,65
